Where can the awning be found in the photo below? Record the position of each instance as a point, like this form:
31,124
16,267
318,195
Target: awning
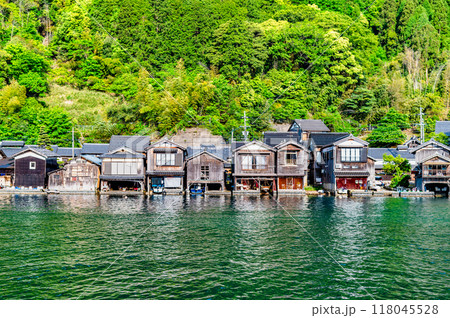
359,173
122,178
165,173
165,150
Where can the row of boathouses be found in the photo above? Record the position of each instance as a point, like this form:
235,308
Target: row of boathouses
283,162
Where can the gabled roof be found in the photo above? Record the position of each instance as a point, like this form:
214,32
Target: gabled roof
223,152
123,152
290,142
94,149
165,140
135,143
350,137
434,156
204,153
12,143
40,151
255,142
412,139
430,142
442,127
312,125
326,138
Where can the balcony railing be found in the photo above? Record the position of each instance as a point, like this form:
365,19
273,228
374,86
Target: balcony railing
435,173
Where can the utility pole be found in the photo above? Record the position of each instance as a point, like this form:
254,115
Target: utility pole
73,142
245,132
422,126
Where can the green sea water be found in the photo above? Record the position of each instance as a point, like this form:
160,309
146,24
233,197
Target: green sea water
174,247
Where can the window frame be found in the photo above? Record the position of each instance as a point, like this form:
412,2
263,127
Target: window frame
32,165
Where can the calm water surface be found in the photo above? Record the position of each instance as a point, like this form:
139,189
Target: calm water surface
68,247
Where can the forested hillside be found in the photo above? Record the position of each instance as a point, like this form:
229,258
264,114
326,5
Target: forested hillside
144,66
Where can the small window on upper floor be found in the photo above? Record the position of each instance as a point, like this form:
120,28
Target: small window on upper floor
33,165
291,158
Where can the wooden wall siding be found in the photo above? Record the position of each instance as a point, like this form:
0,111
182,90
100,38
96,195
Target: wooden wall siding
26,177
429,151
75,177
193,169
300,167
254,172
179,161
107,162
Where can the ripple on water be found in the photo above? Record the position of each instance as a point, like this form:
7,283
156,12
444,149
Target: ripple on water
62,247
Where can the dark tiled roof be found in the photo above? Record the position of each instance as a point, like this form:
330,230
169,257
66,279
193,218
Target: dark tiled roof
311,125
94,149
7,163
377,153
326,138
12,143
67,152
9,152
123,155
135,143
442,126
273,138
237,144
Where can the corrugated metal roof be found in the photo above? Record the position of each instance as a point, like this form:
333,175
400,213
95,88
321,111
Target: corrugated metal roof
135,143
92,159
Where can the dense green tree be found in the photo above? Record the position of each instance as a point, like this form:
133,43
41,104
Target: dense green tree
238,49
399,168
386,135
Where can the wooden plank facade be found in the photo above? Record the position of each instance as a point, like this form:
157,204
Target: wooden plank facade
254,168
206,170
292,167
165,167
31,167
78,175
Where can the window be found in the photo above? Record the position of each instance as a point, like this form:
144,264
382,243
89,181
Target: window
291,158
247,162
165,159
254,162
204,173
350,154
32,165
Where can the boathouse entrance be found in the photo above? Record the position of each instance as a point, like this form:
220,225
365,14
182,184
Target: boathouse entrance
440,189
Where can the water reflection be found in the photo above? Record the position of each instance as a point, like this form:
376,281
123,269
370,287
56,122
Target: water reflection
222,247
